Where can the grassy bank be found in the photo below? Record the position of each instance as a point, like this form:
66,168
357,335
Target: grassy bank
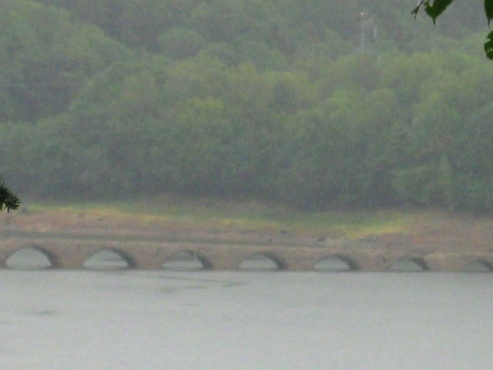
208,220
206,215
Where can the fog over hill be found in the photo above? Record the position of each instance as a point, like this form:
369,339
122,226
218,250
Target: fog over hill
319,104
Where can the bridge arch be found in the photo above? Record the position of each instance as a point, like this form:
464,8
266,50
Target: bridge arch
264,261
335,263
478,265
31,256
340,261
460,262
187,259
109,258
408,264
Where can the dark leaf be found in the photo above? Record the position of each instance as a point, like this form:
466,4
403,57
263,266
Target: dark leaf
488,46
488,9
436,8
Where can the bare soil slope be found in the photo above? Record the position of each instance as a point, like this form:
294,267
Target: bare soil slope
432,231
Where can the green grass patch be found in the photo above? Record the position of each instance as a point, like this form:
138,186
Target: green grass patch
241,215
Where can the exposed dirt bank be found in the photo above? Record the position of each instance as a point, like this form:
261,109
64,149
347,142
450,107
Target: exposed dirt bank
432,231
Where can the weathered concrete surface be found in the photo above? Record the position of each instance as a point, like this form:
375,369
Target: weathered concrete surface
72,254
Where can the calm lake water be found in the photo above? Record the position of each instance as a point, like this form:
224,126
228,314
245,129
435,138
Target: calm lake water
118,319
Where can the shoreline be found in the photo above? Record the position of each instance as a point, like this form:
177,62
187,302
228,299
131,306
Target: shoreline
432,231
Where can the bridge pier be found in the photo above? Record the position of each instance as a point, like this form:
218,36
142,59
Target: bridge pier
301,264
366,261
7,248
67,255
138,256
67,260
215,257
392,257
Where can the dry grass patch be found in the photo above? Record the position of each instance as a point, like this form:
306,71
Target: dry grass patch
243,221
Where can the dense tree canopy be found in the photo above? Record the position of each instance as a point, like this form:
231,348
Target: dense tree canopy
317,103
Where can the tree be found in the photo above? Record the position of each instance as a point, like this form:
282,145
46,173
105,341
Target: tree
434,8
8,200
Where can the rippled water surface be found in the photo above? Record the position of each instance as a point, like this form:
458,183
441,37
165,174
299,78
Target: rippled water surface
121,319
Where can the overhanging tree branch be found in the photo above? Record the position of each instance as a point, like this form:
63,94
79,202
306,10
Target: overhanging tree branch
434,8
8,200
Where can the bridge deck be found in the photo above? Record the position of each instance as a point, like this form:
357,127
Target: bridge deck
73,254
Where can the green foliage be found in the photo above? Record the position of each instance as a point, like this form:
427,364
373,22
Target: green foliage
488,46
46,59
434,8
8,200
488,10
180,43
343,104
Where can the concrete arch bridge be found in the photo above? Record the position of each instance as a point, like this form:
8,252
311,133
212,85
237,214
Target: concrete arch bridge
73,254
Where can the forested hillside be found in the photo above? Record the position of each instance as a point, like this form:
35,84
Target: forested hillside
318,103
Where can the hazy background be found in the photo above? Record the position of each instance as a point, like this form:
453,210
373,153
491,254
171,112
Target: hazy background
315,103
